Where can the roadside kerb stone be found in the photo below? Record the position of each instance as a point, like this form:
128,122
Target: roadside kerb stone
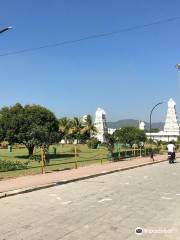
62,182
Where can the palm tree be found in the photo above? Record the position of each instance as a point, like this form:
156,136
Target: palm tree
88,127
64,127
75,128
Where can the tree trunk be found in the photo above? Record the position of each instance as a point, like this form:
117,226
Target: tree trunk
30,150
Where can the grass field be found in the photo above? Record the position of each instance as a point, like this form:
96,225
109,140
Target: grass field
63,159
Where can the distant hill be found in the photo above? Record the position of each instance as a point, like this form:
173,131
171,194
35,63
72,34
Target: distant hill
133,123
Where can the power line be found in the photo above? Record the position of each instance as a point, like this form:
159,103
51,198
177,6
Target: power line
95,36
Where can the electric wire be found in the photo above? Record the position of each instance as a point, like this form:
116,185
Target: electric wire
94,36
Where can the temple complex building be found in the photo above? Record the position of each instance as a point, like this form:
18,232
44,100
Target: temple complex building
171,128
101,125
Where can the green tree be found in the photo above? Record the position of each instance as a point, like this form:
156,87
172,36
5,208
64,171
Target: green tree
2,133
92,143
31,125
88,129
110,141
75,129
153,130
129,135
64,128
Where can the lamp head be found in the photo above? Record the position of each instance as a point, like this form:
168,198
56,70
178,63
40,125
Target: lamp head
178,66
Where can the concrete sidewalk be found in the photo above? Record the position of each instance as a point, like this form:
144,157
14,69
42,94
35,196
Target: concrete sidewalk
24,184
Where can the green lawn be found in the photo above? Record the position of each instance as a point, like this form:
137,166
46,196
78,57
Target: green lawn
64,159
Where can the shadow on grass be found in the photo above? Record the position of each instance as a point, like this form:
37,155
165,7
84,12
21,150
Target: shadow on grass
22,157
63,155
59,170
51,156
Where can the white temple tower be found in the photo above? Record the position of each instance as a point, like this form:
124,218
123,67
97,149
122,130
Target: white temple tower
171,124
141,125
101,125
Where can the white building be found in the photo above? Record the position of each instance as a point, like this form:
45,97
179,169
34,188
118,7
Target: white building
171,128
171,124
141,125
101,125
111,130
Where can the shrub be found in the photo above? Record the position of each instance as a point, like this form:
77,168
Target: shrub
161,151
10,165
4,145
178,148
92,143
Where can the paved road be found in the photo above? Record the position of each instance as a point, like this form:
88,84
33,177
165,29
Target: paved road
103,208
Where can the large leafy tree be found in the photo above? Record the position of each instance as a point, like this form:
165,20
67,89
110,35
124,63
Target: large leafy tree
2,133
31,125
110,141
129,135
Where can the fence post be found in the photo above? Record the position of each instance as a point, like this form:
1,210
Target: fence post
75,155
134,150
125,154
42,161
101,156
119,154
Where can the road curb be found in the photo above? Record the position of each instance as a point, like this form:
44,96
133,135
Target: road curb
63,182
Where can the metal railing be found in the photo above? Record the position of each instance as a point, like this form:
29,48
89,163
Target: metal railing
74,159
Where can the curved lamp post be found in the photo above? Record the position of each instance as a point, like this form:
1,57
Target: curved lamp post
5,29
151,115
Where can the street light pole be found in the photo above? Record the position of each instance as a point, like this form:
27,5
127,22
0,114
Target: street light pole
151,150
5,29
151,116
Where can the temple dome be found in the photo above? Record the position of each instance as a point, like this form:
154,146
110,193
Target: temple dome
171,123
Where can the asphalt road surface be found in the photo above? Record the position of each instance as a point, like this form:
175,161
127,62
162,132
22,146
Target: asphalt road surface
103,208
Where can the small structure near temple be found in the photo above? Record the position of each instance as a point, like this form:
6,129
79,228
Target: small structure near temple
101,125
111,130
141,125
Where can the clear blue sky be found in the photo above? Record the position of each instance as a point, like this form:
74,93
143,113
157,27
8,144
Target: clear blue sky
126,74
